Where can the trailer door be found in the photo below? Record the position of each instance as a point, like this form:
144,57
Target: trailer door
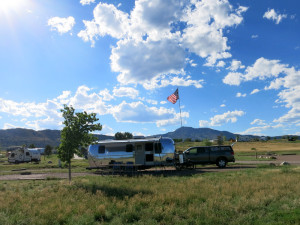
139,154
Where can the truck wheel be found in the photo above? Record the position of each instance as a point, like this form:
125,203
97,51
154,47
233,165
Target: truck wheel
221,163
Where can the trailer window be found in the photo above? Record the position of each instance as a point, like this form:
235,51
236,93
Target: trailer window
27,153
129,148
101,149
12,155
149,147
157,147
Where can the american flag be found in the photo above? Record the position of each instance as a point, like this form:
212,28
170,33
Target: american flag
174,97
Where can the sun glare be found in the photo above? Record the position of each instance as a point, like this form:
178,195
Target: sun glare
7,6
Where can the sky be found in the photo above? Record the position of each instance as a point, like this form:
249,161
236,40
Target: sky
235,64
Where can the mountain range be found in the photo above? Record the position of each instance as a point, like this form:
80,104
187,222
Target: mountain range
20,136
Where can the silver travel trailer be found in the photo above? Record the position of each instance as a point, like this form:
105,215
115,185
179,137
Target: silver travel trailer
132,153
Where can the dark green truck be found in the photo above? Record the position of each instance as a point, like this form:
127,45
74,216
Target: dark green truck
219,155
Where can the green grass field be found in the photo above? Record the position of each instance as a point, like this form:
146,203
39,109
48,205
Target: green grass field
257,196
266,195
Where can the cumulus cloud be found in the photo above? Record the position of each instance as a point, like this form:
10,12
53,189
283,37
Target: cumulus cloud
258,130
235,65
138,112
105,94
272,15
233,78
61,25
280,76
258,122
126,92
254,91
155,38
145,60
47,115
261,69
164,81
86,2
218,120
238,95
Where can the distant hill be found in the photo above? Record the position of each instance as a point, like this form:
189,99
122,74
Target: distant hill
202,133
20,136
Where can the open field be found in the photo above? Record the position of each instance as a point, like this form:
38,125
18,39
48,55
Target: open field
247,147
256,196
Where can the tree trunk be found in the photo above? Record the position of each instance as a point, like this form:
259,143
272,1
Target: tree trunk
70,171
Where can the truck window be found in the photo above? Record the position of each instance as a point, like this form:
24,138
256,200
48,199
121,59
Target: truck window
193,151
225,148
215,148
201,150
101,149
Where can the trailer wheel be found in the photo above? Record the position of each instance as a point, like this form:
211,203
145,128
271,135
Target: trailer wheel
16,162
221,162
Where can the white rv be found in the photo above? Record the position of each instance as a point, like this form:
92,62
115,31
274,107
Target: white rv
24,155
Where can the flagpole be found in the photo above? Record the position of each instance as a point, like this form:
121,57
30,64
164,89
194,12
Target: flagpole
179,108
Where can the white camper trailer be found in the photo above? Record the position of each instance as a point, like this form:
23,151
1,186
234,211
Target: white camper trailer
23,155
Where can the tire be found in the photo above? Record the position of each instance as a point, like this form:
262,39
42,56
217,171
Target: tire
221,162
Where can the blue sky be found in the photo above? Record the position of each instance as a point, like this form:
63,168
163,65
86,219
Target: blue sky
236,64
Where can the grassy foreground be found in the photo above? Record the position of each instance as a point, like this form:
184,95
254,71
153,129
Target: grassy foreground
258,196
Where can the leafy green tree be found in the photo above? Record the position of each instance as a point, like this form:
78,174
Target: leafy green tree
123,136
76,133
31,146
207,142
220,140
48,150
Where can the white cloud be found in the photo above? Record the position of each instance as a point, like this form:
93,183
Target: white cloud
90,102
150,43
259,130
126,92
61,25
235,65
106,95
9,126
254,91
163,102
137,112
174,81
261,69
143,61
258,122
218,120
223,105
254,36
238,95
221,63
205,21
280,76
233,78
272,15
86,2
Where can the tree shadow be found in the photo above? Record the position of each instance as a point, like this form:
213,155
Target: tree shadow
118,192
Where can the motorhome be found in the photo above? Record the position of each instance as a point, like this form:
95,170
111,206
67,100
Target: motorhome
134,153
20,155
